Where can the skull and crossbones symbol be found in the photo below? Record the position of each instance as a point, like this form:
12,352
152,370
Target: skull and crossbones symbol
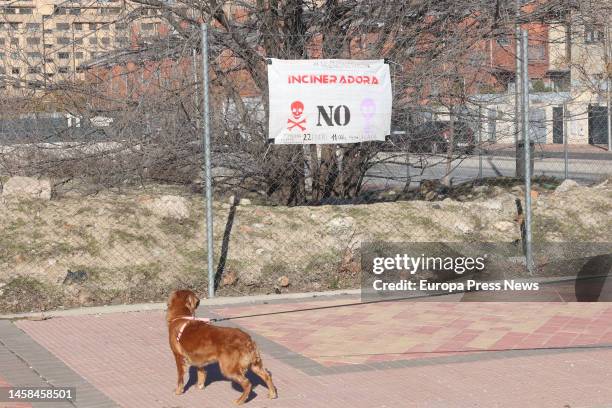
297,108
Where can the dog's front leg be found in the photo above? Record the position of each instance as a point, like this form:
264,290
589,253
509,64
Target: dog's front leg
201,377
180,370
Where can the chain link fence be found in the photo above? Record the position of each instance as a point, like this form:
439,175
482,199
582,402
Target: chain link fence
101,158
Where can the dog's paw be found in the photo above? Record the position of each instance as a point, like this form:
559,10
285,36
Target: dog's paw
272,394
178,391
201,386
239,401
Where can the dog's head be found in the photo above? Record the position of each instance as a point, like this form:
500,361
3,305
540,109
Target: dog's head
182,303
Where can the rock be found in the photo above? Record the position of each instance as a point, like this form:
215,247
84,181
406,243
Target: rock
517,189
283,281
251,276
493,204
464,227
27,188
567,185
85,297
430,195
229,278
504,226
259,251
75,277
480,189
169,206
245,201
340,224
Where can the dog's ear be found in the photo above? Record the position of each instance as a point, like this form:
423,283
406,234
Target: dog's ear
194,302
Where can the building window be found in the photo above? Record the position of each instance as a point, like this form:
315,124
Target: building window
92,40
33,70
105,41
537,52
10,10
33,40
59,10
78,55
503,40
15,71
33,27
34,54
63,55
593,35
25,10
78,41
63,40
63,70
147,26
78,26
1,41
14,26
120,26
75,11
62,26
14,41
93,26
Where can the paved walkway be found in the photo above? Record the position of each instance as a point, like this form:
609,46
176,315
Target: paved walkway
398,354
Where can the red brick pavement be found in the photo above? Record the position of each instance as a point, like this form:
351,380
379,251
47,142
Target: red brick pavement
4,383
126,356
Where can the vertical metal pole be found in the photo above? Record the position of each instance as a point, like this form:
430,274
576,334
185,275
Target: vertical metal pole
196,96
518,83
609,83
527,147
479,141
207,164
565,137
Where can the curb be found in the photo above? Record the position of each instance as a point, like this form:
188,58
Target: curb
143,307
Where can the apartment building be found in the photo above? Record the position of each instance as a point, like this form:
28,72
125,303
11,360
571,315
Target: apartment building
46,42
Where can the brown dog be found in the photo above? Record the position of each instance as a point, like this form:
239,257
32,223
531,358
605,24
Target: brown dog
197,343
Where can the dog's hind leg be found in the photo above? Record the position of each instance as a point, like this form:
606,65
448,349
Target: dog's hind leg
235,372
201,377
180,370
258,369
246,387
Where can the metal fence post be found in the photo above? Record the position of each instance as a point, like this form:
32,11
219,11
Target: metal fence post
480,142
565,137
527,146
207,164
608,43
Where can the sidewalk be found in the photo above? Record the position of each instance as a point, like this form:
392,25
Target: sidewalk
397,354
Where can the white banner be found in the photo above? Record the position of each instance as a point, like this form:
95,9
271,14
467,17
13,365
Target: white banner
329,101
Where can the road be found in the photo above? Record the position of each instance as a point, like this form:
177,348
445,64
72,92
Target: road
394,172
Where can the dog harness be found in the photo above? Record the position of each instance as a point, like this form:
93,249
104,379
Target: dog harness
189,319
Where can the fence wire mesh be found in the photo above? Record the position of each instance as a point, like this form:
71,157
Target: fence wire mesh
101,157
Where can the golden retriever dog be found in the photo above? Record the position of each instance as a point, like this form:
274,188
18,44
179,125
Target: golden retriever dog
196,342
